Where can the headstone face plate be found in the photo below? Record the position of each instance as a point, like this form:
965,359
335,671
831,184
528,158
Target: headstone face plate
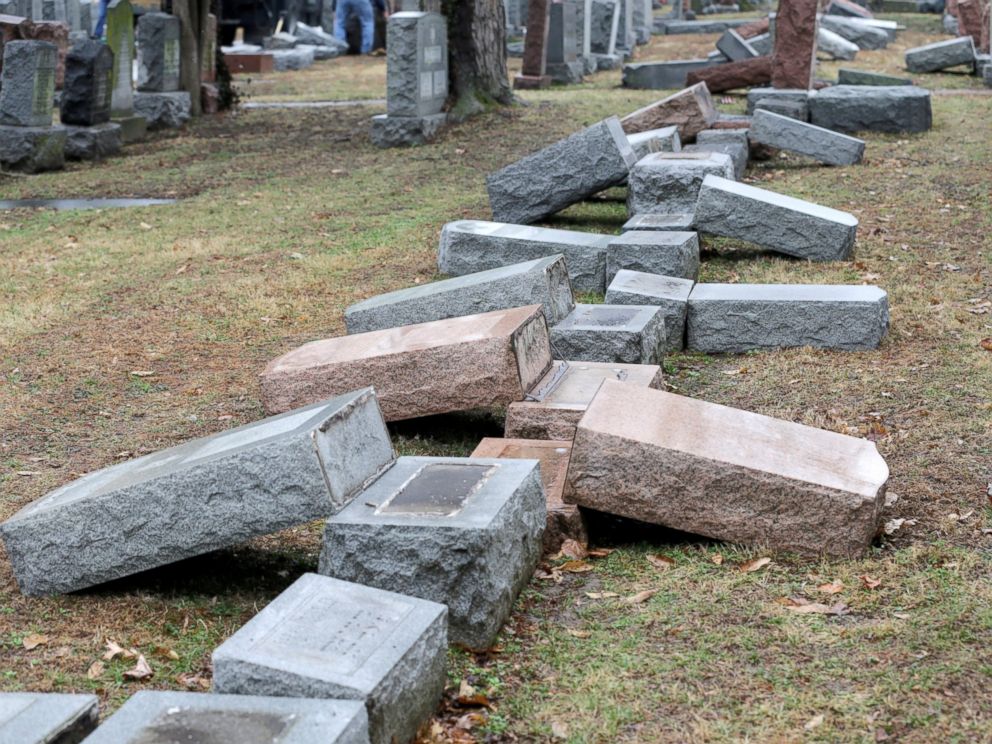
438,490
245,727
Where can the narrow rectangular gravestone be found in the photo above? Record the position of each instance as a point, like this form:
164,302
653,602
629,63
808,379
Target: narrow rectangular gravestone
665,252
874,108
734,47
691,110
200,496
326,638
87,90
465,533
856,31
564,521
561,174
661,75
555,405
474,361
834,45
153,717
678,221
158,53
469,246
627,334
670,181
780,223
941,54
28,83
417,64
863,77
727,474
742,317
120,39
563,64
669,293
824,145
794,46
603,26
543,281
46,718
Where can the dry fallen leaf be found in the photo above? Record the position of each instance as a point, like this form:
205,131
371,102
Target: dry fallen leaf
869,583
804,607
579,633
813,722
141,670
986,344
832,588
166,653
144,226
641,596
95,670
193,682
575,567
599,552
113,650
717,559
34,640
756,565
572,549
469,697
559,730
601,595
661,561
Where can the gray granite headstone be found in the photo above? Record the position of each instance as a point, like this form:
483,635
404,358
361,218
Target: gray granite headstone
325,638
941,54
563,63
875,108
824,145
466,533
151,717
669,293
199,496
667,252
86,92
417,64
670,181
158,53
603,26
629,334
46,718
28,83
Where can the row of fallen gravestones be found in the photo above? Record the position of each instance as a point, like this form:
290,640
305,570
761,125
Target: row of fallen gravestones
99,109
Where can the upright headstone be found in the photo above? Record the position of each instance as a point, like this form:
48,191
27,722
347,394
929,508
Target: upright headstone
85,102
794,53
28,86
158,52
563,63
208,63
120,39
534,71
416,79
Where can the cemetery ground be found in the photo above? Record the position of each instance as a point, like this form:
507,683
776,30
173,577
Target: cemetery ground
126,331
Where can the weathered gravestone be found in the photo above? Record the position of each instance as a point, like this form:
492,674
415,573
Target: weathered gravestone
665,252
475,361
691,110
941,54
665,139
735,47
46,718
416,80
730,75
794,53
543,281
158,52
670,181
863,77
725,473
603,28
85,102
199,496
732,143
627,334
325,638
824,145
563,64
669,293
856,31
661,75
534,72
28,141
626,40
555,405
875,108
564,521
120,39
835,46
151,717
464,533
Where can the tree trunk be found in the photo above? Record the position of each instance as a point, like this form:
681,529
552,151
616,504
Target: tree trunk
189,13
477,54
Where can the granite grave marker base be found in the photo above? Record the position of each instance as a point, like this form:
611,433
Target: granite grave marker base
204,495
665,252
724,473
555,405
152,717
475,361
287,60
49,718
661,75
669,293
678,221
941,55
163,110
405,131
824,145
92,143
665,139
566,73
737,150
465,533
32,149
531,82
564,521
326,638
134,128
628,334
872,108
670,181
757,96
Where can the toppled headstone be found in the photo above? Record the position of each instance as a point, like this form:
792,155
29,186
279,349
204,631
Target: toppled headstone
941,54
199,496
732,75
543,281
835,45
158,53
761,43
327,638
666,252
557,402
780,223
469,246
164,110
318,37
876,108
725,473
561,174
563,63
51,718
461,532
737,150
847,8
734,47
564,521
691,110
280,40
665,139
857,32
741,317
627,334
475,361
762,95
670,181
863,77
152,717
794,52
678,221
297,58
669,293
824,145
661,75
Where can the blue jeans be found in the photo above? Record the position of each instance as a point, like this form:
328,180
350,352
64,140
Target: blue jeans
101,19
361,8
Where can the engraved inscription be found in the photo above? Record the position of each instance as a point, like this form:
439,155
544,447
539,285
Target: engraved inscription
170,58
426,85
437,490
44,91
440,82
432,54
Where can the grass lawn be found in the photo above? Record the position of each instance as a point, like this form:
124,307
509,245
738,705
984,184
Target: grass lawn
123,332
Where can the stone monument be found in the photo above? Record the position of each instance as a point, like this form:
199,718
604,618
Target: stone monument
85,103
120,38
563,64
28,141
159,100
534,72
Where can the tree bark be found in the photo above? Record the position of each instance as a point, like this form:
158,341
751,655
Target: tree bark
190,13
477,55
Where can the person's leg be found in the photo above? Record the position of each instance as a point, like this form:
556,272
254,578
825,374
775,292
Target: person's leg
367,19
101,20
340,20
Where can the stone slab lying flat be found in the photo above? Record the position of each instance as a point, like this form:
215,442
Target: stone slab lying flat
556,404
661,75
741,317
51,718
725,473
200,496
475,361
543,281
666,252
941,54
665,139
670,181
691,110
468,246
564,521
834,45
678,221
863,77
669,293
628,334
824,145
326,638
875,108
465,533
780,223
734,47
561,174
151,717
864,35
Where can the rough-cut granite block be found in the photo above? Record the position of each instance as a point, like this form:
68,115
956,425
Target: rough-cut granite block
824,145
628,334
665,252
51,718
875,108
941,54
691,110
670,181
669,293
